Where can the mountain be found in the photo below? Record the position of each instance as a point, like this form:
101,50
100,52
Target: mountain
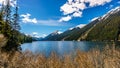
70,34
106,27
53,36
37,38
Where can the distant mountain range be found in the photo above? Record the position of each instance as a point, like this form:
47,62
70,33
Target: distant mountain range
104,28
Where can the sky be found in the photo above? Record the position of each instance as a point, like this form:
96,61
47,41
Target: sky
42,17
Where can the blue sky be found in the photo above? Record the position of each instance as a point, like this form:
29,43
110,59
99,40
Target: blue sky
45,16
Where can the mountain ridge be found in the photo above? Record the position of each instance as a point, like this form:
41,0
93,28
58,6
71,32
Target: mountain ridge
94,30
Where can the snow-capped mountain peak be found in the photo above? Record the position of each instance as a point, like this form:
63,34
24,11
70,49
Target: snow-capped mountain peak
59,32
56,32
78,26
112,11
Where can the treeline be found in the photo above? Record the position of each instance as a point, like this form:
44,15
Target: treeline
9,27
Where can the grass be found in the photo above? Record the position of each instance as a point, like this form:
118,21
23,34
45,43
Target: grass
108,58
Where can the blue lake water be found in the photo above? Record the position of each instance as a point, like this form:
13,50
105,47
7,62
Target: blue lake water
60,47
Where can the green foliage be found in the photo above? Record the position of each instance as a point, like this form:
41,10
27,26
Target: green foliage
106,30
10,27
23,38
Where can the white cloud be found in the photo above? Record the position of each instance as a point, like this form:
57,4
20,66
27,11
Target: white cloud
77,14
1,1
71,7
74,8
64,19
12,2
81,25
26,18
67,9
78,5
94,19
93,3
50,23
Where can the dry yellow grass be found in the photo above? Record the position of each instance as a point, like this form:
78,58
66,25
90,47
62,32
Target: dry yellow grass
108,58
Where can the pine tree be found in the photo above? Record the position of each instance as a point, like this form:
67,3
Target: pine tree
7,12
15,24
11,27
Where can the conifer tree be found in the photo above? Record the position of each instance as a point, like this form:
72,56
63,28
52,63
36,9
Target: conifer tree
11,26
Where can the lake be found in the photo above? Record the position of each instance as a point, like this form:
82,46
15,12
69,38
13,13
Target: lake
60,47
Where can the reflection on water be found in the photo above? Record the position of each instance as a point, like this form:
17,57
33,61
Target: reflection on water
59,47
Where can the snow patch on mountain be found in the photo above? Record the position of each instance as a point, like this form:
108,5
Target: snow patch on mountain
56,32
59,32
71,28
112,11
80,26
94,19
